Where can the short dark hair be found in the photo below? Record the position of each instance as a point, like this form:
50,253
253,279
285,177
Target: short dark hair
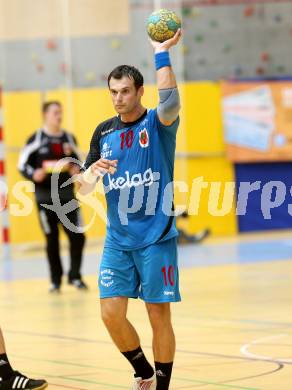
127,71
47,105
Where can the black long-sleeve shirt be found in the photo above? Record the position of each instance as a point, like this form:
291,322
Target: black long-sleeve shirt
44,151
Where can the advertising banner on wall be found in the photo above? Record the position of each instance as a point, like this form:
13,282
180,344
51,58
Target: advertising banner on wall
258,121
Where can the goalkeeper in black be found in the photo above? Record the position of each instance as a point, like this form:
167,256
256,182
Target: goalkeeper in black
37,162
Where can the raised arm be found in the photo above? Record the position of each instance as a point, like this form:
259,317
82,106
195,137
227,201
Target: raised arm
169,104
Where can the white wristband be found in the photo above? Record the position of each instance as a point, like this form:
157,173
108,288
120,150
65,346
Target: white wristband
89,177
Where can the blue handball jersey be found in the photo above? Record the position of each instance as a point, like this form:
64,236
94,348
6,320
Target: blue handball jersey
140,194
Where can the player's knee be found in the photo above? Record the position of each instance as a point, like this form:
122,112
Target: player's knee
107,317
112,315
159,314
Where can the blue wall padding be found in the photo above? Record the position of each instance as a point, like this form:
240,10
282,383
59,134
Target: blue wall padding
254,220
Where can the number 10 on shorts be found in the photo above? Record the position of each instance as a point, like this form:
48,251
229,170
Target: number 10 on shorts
168,275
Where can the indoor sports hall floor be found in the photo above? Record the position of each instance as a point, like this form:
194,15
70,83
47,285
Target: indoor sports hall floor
234,326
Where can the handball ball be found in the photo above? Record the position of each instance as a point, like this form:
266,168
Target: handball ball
162,25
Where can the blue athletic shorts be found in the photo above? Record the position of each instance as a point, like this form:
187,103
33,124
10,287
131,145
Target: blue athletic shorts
150,273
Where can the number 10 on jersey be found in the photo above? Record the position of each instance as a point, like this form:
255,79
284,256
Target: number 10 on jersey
127,138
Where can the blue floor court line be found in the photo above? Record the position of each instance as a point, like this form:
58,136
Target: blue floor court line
206,254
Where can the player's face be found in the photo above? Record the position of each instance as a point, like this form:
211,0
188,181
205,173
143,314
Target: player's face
53,117
124,95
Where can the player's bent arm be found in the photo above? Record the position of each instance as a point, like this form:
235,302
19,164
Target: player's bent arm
86,181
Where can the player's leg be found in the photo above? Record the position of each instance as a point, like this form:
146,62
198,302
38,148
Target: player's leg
158,270
6,371
2,345
76,244
114,316
10,379
163,342
124,335
49,224
118,281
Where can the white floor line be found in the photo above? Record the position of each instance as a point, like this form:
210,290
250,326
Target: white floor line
245,349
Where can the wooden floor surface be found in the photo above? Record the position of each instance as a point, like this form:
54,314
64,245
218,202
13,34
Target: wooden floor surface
233,328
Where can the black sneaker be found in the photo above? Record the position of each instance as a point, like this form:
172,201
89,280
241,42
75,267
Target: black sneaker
79,284
19,381
54,289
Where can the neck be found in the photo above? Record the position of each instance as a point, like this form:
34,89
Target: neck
52,129
134,114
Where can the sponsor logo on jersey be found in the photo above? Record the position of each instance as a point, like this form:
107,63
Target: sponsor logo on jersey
147,179
106,151
57,149
168,293
104,132
144,138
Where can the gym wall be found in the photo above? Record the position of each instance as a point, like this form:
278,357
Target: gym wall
63,50
200,146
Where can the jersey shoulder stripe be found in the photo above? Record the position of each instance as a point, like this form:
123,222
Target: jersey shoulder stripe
32,145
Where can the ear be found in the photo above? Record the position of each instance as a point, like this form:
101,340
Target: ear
141,91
